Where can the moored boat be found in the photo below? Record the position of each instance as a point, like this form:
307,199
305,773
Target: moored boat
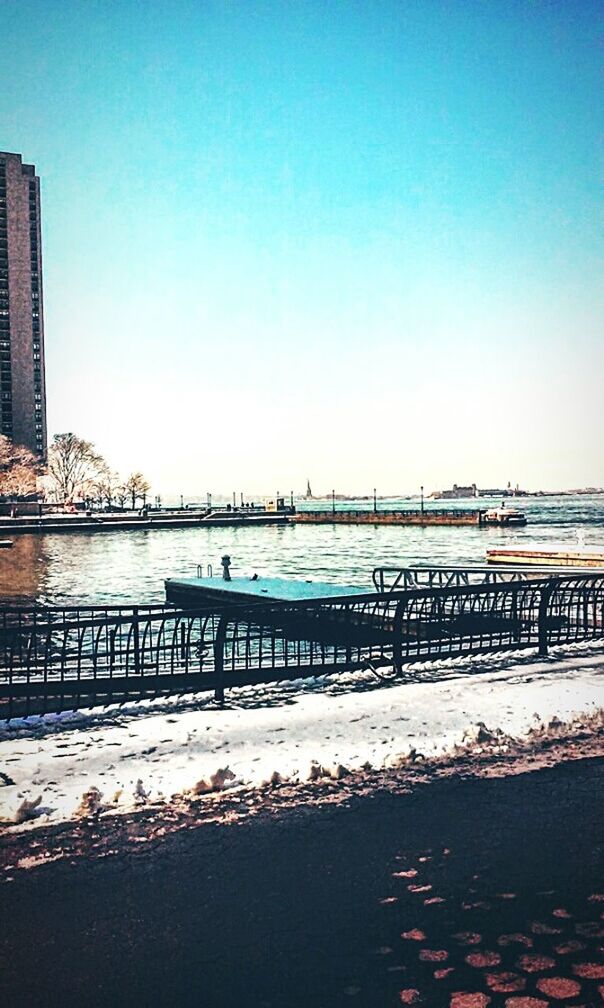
504,516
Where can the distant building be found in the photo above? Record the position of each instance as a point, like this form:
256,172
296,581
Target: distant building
22,381
509,491
456,492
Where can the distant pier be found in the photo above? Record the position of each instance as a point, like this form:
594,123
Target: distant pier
407,517
128,521
99,521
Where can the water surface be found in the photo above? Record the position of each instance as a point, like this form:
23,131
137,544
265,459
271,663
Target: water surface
112,567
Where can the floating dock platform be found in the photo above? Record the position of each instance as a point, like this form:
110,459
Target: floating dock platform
190,592
554,555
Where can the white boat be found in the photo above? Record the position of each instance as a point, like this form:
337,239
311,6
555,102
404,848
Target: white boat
504,516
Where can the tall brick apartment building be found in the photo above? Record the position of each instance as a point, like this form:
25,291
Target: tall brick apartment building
22,384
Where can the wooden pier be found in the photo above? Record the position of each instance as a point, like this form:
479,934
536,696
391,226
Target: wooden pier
556,555
401,517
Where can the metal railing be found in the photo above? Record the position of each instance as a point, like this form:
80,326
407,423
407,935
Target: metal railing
388,579
58,659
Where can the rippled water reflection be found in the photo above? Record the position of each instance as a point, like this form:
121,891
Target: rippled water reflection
113,567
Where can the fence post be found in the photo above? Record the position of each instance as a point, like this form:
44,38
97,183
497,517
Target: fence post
547,590
219,642
397,635
136,640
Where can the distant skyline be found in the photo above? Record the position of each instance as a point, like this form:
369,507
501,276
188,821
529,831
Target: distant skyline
356,242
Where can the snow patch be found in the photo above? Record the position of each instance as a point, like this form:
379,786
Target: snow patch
322,728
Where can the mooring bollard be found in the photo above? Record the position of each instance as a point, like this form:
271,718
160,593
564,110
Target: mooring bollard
226,563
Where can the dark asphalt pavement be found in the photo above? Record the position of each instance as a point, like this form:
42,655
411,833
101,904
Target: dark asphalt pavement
309,908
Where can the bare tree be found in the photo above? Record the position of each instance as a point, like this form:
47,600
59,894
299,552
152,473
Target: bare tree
105,489
19,469
74,465
121,495
137,487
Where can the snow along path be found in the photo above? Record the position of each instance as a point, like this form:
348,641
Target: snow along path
349,720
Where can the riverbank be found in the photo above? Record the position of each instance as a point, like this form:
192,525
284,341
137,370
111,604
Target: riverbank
479,877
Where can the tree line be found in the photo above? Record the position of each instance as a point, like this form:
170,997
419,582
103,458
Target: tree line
74,471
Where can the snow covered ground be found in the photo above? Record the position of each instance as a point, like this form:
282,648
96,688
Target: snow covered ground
347,720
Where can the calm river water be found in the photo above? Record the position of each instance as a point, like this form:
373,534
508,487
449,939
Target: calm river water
113,567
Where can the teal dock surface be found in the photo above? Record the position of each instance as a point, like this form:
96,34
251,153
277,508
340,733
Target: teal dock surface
249,589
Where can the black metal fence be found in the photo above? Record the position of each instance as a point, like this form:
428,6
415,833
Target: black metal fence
58,659
388,579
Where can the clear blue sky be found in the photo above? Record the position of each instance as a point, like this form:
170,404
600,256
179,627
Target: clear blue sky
355,241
